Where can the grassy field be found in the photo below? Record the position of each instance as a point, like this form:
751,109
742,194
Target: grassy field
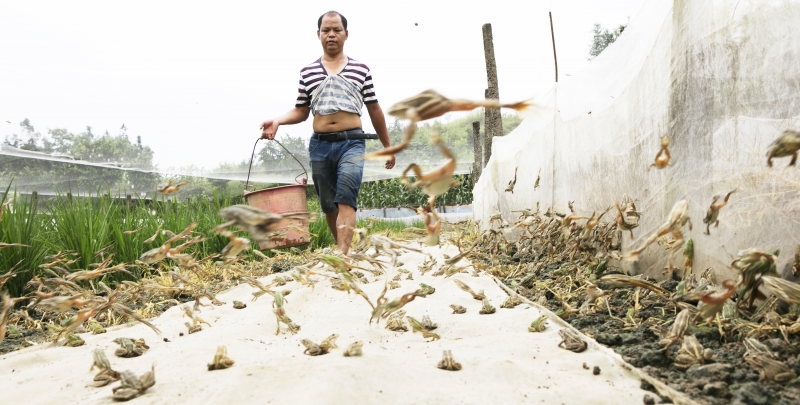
393,193
88,224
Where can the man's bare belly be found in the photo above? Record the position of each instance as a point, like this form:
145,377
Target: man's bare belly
339,121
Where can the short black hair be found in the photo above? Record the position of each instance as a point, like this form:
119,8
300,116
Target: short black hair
344,20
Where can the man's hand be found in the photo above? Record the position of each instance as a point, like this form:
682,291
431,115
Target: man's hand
390,163
269,128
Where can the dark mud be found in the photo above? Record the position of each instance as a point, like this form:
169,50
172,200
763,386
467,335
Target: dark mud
728,380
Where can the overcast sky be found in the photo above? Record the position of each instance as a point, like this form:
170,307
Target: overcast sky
195,79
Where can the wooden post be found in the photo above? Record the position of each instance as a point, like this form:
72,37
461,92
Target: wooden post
487,133
493,124
128,201
477,147
553,37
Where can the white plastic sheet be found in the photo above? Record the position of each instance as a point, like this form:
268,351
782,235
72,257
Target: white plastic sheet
721,79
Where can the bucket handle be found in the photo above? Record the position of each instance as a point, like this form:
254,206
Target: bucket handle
305,172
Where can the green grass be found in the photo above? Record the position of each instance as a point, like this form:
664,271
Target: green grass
393,193
21,223
86,224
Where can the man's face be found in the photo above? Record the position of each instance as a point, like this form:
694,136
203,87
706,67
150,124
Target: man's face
332,34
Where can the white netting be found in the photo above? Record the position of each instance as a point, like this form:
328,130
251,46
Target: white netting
720,77
50,173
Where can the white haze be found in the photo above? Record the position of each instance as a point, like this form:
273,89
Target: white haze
195,79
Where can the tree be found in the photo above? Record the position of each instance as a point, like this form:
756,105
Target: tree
47,175
603,38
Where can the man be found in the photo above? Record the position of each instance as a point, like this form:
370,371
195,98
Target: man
334,88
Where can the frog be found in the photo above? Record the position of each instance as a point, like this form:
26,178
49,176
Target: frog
753,347
106,374
662,157
312,349
234,248
170,188
487,308
430,104
458,309
193,328
769,369
417,326
13,332
436,182
74,340
95,327
395,322
478,297
571,341
425,289
692,352
677,330
354,350
239,305
539,324
428,324
129,347
512,301
329,343
430,262
448,363
221,360
677,219
729,310
712,214
132,386
512,183
786,290
433,225
261,224
786,145
292,327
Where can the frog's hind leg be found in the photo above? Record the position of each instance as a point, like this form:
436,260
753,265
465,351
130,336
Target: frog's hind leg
417,172
387,153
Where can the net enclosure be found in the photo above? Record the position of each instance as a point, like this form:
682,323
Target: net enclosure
49,171
720,78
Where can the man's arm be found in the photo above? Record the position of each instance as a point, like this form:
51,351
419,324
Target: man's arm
379,123
294,116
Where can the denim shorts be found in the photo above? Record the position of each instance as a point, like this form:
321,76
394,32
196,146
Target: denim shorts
337,168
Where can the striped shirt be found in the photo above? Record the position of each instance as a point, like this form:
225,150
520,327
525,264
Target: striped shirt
356,73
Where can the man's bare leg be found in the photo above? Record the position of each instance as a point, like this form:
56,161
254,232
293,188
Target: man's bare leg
331,220
347,216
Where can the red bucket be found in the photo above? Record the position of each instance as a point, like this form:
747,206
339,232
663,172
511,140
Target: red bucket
289,199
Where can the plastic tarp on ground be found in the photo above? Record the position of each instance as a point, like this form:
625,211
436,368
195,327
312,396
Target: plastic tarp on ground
721,78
